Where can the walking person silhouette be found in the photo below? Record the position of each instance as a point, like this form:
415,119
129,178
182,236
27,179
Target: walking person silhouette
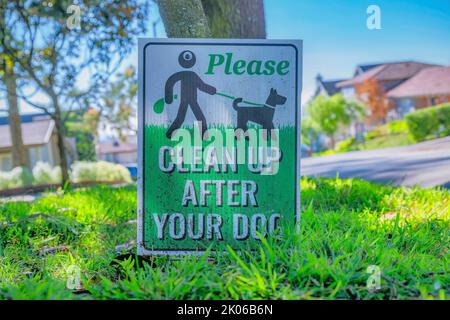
190,82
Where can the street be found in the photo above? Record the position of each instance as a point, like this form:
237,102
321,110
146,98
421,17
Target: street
426,164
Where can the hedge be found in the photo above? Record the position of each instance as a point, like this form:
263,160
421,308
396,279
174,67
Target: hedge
43,174
431,122
99,171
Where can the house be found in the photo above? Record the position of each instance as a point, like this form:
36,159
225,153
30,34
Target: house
118,151
389,91
371,86
326,87
388,75
329,87
430,86
39,138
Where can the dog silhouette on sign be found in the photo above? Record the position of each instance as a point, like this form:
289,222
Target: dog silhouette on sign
260,115
190,82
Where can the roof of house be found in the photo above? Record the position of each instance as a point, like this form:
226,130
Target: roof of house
427,82
25,118
117,146
387,72
33,133
330,86
366,67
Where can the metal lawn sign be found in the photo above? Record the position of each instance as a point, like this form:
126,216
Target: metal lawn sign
219,143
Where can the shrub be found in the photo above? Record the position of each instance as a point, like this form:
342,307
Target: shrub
443,115
430,122
43,173
83,171
399,126
346,145
16,178
99,171
377,132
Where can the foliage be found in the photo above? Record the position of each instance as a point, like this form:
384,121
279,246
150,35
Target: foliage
346,226
36,289
398,126
328,114
16,178
309,132
85,147
391,134
50,53
84,129
44,174
99,171
347,145
118,104
390,128
431,122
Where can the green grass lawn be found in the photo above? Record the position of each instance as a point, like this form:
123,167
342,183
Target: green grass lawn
387,141
392,134
347,225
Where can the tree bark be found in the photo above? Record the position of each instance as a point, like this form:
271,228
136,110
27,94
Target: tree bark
332,141
235,18
184,18
60,134
19,153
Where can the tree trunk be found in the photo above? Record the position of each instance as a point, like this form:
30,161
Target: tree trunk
60,134
19,153
184,18
235,18
333,141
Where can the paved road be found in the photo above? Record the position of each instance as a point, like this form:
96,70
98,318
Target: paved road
426,164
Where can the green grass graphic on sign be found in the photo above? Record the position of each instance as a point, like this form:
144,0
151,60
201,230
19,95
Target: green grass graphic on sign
163,193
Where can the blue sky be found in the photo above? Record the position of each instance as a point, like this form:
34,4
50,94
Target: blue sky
336,38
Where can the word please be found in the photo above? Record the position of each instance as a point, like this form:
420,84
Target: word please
240,67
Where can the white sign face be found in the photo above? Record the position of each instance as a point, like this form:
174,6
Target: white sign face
219,143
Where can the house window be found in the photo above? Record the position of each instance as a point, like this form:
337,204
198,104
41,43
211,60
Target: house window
348,93
405,106
6,162
39,153
434,101
108,157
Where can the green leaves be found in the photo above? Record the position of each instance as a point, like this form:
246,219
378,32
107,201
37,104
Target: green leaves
431,122
328,113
